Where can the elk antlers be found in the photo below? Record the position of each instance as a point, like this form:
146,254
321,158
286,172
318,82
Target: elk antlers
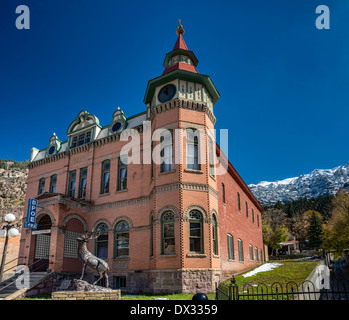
90,235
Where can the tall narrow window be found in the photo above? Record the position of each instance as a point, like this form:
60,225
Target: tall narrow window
211,156
53,183
252,216
72,183
257,220
192,150
195,232
151,236
239,204
256,253
167,233
101,243
82,183
223,193
122,175
41,186
214,235
247,209
167,152
261,254
122,243
230,242
241,250
105,176
152,161
251,252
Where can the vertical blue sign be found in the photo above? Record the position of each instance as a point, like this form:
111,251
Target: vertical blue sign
31,214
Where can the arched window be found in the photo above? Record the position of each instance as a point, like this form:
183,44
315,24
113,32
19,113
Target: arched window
167,233
167,152
214,235
251,252
192,150
151,236
101,243
230,242
241,250
122,239
195,232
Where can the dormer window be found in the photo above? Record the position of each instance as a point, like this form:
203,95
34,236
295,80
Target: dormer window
84,129
81,139
54,146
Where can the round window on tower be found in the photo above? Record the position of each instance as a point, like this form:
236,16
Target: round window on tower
116,127
51,150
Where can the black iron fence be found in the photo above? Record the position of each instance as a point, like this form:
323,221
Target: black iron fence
307,290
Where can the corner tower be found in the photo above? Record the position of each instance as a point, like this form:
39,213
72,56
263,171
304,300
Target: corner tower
181,80
185,206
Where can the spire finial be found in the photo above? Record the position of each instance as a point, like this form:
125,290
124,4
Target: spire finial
180,29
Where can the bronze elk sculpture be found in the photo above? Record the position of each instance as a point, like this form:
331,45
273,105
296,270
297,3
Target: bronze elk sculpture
88,259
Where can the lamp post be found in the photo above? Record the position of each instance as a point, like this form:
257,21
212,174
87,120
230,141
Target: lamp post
7,230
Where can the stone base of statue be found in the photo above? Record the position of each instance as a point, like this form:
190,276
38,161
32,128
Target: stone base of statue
87,291
82,285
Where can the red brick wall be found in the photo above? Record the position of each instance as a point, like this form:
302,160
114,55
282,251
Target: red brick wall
148,196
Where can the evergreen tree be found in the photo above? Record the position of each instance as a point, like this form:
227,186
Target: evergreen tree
314,231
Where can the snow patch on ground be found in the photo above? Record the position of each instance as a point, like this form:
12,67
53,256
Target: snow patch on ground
263,268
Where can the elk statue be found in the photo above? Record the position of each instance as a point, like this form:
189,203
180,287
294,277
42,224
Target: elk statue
88,259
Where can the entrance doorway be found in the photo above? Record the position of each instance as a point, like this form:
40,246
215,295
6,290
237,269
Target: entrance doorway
42,244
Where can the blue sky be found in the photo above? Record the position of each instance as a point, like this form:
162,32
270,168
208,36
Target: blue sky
283,83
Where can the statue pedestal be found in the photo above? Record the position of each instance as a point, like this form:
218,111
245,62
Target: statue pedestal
87,291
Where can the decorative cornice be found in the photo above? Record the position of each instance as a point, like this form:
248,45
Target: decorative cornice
185,104
86,147
89,207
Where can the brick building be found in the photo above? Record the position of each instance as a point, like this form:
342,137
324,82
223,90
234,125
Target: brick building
175,226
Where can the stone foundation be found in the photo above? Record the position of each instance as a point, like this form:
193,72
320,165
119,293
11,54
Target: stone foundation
86,295
171,281
164,281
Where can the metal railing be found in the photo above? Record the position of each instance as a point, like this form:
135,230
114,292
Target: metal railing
21,272
4,271
338,290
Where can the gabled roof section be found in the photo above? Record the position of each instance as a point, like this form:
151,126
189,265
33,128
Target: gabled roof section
82,121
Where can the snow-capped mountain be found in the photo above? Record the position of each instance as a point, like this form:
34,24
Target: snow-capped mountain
316,183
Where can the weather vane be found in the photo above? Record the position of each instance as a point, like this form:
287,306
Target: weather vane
180,29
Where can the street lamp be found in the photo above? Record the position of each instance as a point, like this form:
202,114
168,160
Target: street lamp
7,230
